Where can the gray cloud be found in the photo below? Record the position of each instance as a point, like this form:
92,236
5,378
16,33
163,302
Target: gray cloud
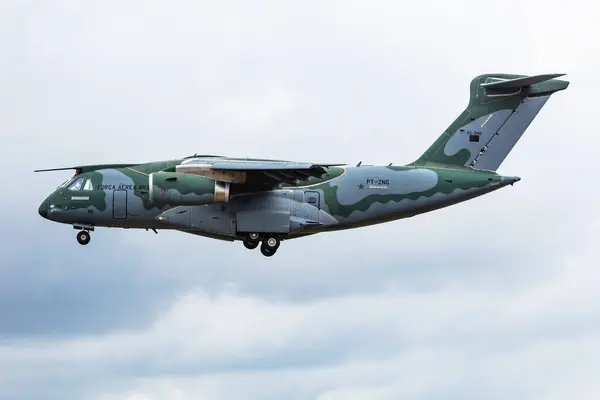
495,297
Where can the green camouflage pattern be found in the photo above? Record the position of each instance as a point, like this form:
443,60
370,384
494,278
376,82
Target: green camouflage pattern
282,199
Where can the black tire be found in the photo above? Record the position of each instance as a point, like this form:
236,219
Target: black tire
271,243
250,245
83,237
266,251
253,237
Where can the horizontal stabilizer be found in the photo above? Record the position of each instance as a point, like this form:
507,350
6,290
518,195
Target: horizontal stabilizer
519,82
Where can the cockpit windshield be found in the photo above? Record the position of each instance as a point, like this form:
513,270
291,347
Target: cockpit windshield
77,185
66,183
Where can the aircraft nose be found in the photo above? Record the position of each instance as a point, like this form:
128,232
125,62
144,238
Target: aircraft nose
43,210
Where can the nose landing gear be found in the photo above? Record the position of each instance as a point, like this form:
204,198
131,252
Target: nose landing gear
83,236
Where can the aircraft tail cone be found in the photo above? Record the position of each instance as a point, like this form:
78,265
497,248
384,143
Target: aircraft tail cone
510,180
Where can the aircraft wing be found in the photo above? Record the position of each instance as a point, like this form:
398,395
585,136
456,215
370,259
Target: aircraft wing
86,168
268,173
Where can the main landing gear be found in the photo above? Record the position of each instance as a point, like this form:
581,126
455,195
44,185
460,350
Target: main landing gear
83,237
269,244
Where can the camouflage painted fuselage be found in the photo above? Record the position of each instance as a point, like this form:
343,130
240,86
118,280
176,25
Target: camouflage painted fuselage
345,197
229,198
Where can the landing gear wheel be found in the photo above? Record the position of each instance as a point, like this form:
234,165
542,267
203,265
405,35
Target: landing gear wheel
271,243
266,251
253,237
83,237
250,245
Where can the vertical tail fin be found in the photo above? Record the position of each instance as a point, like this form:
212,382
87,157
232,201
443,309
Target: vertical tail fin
500,109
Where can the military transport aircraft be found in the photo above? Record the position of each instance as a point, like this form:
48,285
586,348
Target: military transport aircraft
264,202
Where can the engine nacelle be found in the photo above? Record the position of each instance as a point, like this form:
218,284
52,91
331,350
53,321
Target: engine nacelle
180,189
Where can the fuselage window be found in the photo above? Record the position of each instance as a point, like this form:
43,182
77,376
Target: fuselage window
88,185
77,184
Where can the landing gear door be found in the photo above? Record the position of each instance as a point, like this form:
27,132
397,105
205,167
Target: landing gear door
312,205
120,204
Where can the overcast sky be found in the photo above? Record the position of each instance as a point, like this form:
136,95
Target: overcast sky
496,298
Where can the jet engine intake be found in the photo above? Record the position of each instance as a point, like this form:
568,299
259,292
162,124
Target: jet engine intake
180,189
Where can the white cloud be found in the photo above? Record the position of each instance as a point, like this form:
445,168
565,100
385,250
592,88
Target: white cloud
254,112
390,344
494,298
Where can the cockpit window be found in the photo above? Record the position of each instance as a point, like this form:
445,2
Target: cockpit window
88,185
77,184
66,183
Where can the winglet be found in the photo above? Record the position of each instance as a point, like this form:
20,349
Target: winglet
519,82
